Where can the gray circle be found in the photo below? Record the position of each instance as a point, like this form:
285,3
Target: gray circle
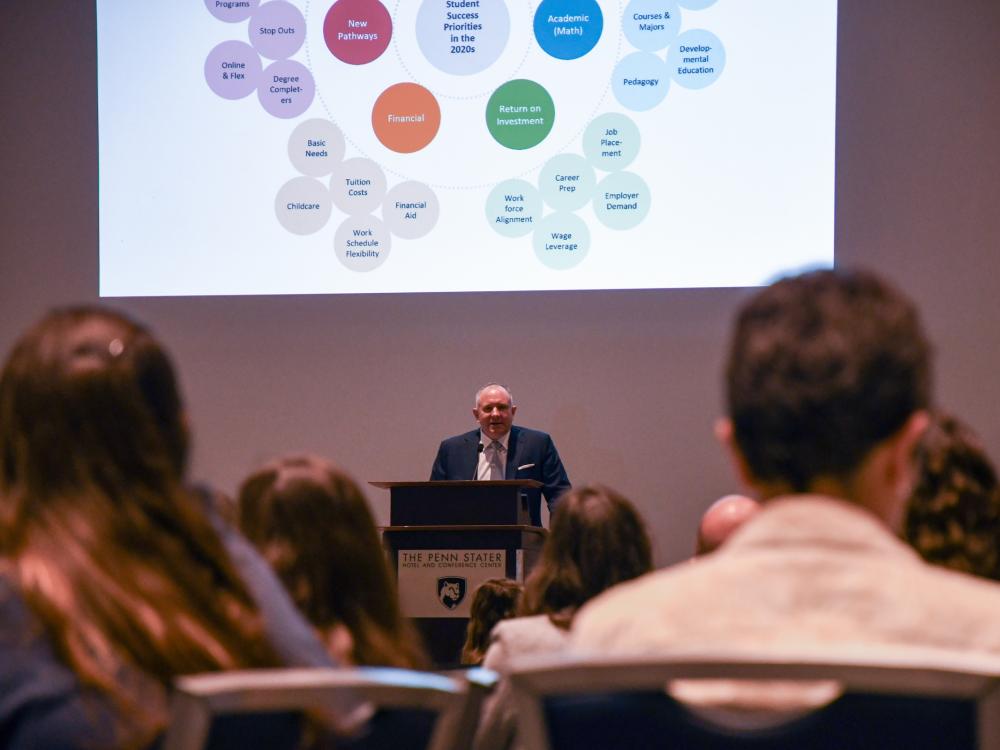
303,205
316,147
362,243
411,210
357,186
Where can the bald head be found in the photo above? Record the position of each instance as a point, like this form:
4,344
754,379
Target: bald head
721,519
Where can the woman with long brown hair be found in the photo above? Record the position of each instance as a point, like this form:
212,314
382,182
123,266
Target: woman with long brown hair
312,523
597,540
115,577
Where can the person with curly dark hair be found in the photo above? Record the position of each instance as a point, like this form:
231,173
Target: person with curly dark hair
828,392
953,518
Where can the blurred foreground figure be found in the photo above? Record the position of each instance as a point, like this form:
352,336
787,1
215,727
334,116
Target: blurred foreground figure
598,539
828,386
721,519
312,523
954,514
116,577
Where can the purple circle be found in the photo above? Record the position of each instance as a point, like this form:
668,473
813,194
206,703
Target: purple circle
231,11
232,69
277,30
286,89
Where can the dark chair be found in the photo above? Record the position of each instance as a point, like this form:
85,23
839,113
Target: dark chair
914,700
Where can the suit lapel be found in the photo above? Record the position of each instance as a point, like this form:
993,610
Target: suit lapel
513,446
471,454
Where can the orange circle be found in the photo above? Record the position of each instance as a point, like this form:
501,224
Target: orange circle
406,117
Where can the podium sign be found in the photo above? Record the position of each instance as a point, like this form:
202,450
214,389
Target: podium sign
445,538
441,582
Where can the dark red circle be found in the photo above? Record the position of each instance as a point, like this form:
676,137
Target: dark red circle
357,31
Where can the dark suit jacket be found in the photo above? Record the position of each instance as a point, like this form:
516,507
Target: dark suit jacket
458,457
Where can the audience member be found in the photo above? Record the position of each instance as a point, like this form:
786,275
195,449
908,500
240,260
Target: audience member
495,599
828,382
721,519
312,523
597,540
954,514
116,577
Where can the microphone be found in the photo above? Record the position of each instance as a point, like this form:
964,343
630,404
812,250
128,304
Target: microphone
475,471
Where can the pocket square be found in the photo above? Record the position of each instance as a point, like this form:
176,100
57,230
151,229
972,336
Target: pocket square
526,466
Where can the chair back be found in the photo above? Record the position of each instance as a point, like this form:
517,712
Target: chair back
912,700
263,708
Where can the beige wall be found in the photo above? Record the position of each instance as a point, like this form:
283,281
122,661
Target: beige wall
628,382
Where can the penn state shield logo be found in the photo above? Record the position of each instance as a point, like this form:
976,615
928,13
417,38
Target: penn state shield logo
451,591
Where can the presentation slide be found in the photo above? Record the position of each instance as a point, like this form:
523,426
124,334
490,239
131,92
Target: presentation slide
358,146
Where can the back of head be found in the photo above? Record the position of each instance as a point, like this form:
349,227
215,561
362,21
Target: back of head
721,519
313,525
118,562
88,396
821,368
597,539
495,599
953,518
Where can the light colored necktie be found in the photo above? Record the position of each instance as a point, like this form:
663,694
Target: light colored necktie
496,460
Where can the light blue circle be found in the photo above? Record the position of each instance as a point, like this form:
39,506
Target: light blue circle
696,59
633,81
611,142
513,208
567,182
568,29
651,25
622,200
696,4
454,45
562,241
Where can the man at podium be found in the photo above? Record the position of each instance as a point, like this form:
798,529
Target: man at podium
498,450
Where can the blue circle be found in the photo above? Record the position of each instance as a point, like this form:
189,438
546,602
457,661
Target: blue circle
640,81
651,25
568,29
611,141
696,4
696,59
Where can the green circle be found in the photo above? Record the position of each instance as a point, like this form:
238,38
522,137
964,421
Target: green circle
520,114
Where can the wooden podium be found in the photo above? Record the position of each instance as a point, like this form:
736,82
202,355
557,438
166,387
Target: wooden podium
446,538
